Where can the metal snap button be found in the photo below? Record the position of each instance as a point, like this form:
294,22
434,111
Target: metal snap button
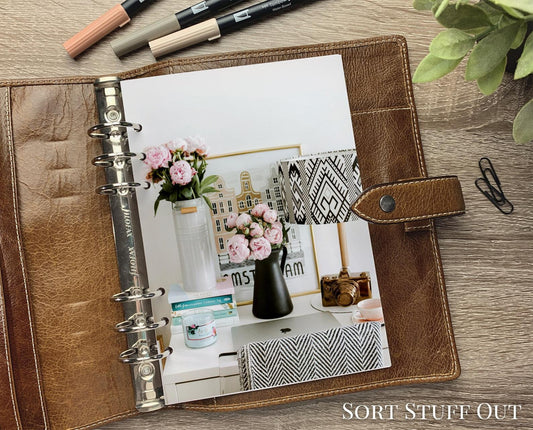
387,203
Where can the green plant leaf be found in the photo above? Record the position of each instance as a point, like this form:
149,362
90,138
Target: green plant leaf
441,8
525,64
156,204
423,4
464,17
432,68
523,124
208,190
523,5
493,12
492,80
451,44
206,199
519,39
167,187
209,180
513,12
489,52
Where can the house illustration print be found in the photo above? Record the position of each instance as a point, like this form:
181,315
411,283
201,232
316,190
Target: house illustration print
248,197
225,200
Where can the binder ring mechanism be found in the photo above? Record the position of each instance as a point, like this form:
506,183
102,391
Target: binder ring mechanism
135,294
120,188
140,352
139,322
105,130
140,325
109,160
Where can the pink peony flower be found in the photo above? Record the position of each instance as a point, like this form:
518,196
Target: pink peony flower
274,235
238,248
270,216
259,210
244,220
198,145
277,225
231,222
260,247
181,173
178,144
157,156
256,230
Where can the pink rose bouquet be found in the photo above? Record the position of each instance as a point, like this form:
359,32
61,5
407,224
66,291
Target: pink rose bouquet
179,165
259,231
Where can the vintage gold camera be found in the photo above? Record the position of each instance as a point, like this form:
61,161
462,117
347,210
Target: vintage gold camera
345,289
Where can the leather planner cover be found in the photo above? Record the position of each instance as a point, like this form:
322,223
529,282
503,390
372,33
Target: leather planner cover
58,270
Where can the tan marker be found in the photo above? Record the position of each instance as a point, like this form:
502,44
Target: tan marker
214,28
207,30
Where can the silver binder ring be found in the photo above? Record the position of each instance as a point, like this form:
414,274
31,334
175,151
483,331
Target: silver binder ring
120,188
135,294
108,160
138,323
132,356
104,130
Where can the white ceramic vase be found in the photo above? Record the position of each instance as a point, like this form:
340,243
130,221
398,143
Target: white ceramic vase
196,247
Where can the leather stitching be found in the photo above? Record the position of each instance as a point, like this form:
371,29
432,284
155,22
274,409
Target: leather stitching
313,395
414,218
414,122
368,194
420,227
381,110
444,302
19,243
8,360
4,326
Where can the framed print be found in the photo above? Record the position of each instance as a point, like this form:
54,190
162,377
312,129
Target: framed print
246,179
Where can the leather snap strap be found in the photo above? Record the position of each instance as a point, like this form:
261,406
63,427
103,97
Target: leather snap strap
411,200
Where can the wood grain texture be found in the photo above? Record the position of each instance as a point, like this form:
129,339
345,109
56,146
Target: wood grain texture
487,257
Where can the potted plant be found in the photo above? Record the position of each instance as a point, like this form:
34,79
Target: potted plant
178,168
262,236
488,32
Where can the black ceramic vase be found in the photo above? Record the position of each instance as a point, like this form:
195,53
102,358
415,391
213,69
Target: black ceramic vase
271,296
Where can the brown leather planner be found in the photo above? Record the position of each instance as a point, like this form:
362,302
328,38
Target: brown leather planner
58,269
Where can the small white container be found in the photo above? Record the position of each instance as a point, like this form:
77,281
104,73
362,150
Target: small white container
199,328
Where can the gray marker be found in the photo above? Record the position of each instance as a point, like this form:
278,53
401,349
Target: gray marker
130,42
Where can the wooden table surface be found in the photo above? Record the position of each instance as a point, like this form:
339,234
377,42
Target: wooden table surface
487,256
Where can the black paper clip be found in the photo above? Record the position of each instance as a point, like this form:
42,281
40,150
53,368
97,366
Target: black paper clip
492,192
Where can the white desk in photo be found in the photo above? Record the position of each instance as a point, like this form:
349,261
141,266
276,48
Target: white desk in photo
194,374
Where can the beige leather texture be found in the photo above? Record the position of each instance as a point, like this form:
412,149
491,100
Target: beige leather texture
58,264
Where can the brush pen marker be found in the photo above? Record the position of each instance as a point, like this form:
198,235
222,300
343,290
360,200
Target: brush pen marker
115,17
177,21
214,28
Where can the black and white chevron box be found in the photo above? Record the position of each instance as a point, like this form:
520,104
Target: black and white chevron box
334,352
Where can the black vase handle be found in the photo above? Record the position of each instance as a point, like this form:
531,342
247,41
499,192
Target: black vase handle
283,258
